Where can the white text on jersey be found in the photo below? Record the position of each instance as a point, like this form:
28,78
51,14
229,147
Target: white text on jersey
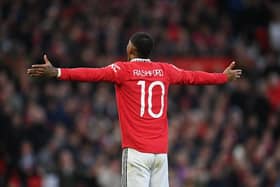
148,73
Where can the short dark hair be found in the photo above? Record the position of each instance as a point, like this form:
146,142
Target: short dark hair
144,44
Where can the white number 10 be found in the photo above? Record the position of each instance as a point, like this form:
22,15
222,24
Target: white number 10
150,95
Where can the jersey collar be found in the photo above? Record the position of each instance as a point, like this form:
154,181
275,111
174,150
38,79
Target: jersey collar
140,60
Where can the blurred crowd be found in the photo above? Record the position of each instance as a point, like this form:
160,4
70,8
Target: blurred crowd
65,134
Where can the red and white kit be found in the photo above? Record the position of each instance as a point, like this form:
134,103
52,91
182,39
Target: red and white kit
141,92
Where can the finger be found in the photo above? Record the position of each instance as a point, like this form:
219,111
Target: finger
239,70
38,68
46,59
236,71
30,71
38,65
33,70
35,74
231,65
238,75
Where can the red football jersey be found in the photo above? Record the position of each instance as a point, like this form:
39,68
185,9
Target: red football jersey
141,91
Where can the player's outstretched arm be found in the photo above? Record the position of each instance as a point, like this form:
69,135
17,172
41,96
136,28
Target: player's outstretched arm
43,70
180,76
111,73
232,74
204,78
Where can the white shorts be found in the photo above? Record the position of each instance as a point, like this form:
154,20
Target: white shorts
144,169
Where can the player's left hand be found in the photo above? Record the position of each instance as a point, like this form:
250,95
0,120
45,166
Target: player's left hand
43,70
231,73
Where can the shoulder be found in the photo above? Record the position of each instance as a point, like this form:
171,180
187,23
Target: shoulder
120,66
167,66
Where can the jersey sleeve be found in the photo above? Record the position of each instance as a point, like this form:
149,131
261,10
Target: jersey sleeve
180,76
112,73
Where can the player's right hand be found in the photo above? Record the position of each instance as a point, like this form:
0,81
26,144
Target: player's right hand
43,70
231,73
